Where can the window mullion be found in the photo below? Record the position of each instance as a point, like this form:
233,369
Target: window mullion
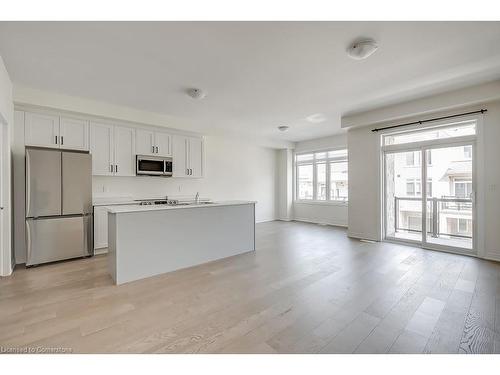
315,179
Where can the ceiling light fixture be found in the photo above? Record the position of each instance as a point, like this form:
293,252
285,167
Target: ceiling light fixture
360,50
283,128
196,93
316,118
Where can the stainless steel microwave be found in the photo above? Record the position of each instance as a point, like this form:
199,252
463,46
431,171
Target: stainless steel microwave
153,166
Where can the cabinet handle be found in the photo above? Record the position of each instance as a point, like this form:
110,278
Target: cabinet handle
190,171
62,139
157,149
111,167
187,172
116,168
56,139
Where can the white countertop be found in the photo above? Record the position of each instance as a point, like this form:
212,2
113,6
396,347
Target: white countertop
124,208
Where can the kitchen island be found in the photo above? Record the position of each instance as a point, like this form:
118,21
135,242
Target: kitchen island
150,240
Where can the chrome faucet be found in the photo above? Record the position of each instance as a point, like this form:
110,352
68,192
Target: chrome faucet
197,198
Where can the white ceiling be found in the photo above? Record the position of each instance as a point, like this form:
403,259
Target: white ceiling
258,75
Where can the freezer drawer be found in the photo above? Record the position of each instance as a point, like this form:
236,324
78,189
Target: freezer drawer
51,239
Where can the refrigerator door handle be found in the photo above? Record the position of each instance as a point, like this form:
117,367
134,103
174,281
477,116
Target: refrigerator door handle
28,239
28,184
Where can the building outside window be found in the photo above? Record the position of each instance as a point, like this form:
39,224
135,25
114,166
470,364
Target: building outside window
468,152
322,176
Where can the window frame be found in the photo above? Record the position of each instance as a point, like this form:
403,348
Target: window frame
314,162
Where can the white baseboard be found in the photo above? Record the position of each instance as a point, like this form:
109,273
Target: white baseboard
332,223
494,257
102,250
265,220
359,236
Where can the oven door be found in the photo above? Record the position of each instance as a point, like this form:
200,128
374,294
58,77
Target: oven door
149,166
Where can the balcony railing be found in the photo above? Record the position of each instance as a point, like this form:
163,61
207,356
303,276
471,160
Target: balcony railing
438,205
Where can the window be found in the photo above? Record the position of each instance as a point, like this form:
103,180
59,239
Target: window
321,181
449,131
468,152
305,181
462,225
338,180
322,176
413,186
413,158
463,188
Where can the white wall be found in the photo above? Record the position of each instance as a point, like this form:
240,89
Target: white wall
6,121
234,170
334,213
285,184
364,166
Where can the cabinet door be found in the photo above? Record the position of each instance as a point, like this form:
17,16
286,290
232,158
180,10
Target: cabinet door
162,142
100,227
124,151
179,156
101,147
74,134
145,142
41,130
195,157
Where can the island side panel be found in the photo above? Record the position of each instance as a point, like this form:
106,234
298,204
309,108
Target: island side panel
149,243
112,246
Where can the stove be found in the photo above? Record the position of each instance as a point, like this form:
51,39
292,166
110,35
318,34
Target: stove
169,202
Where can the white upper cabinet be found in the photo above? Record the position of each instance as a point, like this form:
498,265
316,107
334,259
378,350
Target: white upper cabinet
45,130
114,147
102,148
124,151
145,140
162,143
153,143
74,133
41,130
113,150
179,159
188,156
196,157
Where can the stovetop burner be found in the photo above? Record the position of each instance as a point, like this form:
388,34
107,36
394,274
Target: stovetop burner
170,202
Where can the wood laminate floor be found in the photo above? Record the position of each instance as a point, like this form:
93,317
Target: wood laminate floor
307,289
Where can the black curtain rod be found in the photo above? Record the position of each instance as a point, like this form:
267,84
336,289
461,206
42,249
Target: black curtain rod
432,119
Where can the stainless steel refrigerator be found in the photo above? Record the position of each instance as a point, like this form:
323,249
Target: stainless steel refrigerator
58,205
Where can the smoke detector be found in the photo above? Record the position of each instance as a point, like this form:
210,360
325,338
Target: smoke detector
362,49
196,93
283,128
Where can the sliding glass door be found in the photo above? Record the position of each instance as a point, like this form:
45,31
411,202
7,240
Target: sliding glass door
429,188
450,197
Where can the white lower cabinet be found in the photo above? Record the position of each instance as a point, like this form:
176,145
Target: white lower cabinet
188,156
100,228
113,150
